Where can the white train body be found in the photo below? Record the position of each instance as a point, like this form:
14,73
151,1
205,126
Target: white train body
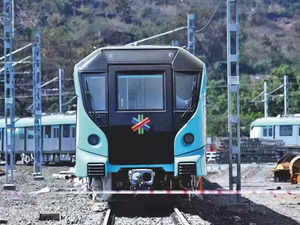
286,129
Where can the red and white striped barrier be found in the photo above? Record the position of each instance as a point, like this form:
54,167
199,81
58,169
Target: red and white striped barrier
165,192
168,192
204,192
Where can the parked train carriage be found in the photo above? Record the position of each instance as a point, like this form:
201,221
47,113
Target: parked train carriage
277,128
140,118
58,138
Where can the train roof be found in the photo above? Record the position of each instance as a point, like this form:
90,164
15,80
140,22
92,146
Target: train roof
269,121
51,119
179,58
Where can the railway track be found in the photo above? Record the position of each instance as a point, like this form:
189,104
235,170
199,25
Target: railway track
183,218
177,217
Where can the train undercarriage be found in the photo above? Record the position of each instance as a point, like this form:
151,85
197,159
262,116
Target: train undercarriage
141,180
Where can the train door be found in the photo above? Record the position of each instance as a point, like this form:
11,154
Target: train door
51,138
29,139
140,115
20,139
66,138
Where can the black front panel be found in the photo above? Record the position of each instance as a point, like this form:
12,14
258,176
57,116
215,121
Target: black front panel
140,115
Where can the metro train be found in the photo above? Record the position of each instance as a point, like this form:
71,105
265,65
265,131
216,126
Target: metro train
141,118
58,138
285,128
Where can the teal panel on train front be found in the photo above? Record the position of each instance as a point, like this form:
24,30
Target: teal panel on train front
195,152
86,127
83,158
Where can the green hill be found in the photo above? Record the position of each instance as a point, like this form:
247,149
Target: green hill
71,29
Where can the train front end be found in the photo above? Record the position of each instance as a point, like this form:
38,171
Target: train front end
141,118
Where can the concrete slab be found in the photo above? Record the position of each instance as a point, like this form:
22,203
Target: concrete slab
3,221
38,177
9,187
36,174
49,216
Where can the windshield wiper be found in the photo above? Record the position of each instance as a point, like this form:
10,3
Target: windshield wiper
193,104
88,92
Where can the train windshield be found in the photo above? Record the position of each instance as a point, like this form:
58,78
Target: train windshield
140,91
96,91
185,85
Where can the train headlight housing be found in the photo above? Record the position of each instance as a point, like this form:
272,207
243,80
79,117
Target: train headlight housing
188,138
93,139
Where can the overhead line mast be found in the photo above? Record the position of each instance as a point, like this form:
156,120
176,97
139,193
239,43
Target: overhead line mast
233,83
9,94
37,106
268,95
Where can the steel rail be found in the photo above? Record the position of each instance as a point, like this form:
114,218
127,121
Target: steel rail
108,218
181,217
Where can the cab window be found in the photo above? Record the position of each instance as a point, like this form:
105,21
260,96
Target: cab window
185,85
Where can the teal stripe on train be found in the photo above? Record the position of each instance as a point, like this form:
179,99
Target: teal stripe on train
196,125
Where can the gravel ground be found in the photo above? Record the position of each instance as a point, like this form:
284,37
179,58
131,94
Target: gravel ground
25,205
266,209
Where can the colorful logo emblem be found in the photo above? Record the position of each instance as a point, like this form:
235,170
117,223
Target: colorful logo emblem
140,124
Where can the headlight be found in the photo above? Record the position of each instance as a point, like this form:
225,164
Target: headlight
93,139
188,138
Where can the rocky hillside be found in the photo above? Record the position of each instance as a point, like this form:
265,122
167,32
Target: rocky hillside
71,29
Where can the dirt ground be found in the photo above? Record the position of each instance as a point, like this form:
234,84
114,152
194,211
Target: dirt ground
25,205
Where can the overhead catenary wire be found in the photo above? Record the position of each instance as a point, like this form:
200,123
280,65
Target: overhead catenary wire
210,19
157,35
178,29
16,63
16,51
44,95
49,82
69,101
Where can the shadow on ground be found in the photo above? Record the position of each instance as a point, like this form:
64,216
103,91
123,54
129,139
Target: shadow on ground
215,209
143,206
225,210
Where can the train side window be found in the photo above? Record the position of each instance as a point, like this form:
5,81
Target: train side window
55,131
270,131
1,134
47,132
66,131
299,131
265,131
30,133
286,130
73,131
21,133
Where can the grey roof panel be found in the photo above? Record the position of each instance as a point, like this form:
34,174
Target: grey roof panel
181,59
276,121
46,120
